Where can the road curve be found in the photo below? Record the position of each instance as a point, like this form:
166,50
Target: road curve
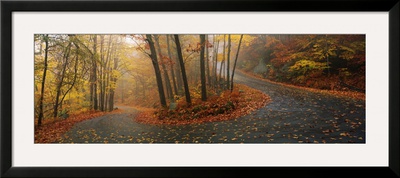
294,116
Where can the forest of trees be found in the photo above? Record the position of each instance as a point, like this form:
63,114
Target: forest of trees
332,62
78,73
75,73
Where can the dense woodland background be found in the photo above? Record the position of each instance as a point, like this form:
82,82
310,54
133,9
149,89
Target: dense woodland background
79,73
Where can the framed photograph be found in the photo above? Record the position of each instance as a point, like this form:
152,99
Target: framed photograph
193,88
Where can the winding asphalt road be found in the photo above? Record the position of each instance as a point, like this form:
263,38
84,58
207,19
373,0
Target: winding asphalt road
294,116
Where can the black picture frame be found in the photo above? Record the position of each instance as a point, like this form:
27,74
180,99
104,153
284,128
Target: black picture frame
390,6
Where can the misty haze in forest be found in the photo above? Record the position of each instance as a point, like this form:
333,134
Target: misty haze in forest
199,88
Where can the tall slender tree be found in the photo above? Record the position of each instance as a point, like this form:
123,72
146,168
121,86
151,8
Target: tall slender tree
179,80
182,65
60,79
112,89
107,71
236,58
206,44
327,54
216,48
164,68
172,66
75,73
228,62
154,60
202,69
94,75
221,71
46,51
101,73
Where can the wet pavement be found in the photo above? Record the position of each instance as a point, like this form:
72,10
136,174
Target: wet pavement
294,116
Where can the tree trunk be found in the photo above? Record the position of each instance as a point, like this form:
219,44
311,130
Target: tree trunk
157,71
202,69
107,73
94,71
265,50
101,73
212,72
60,82
327,55
172,66
75,74
207,62
112,89
166,76
182,65
221,72
46,50
234,65
106,88
91,78
178,73
216,64
228,62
